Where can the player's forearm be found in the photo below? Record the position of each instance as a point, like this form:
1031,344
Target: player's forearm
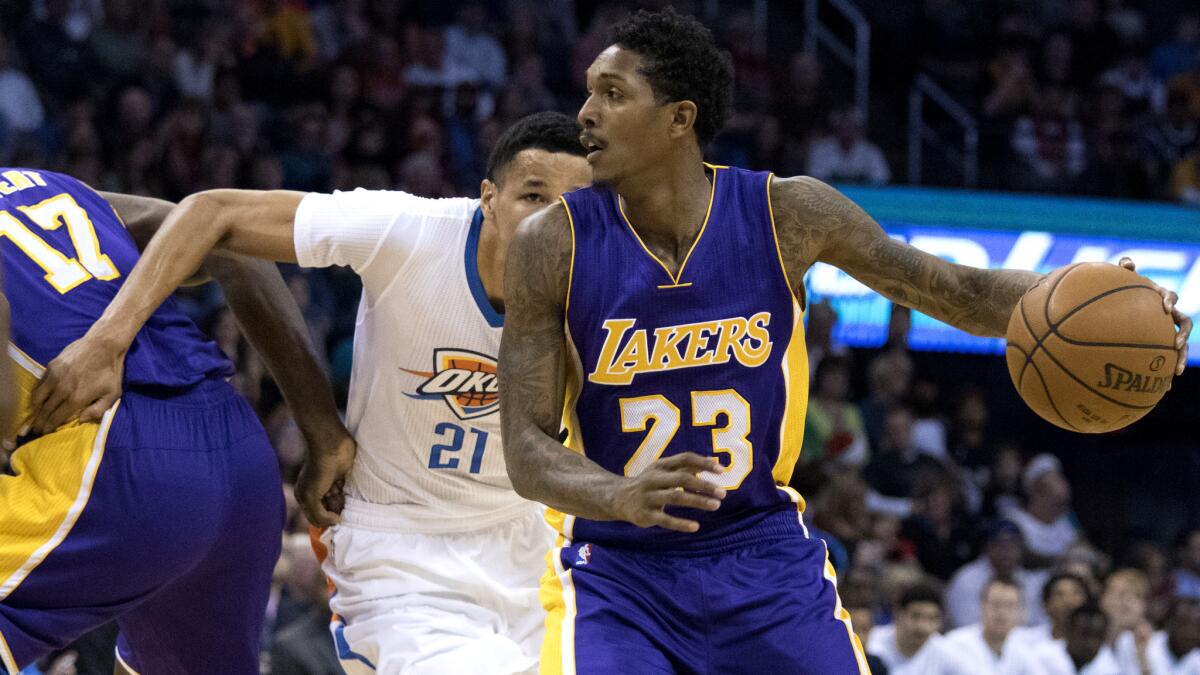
996,293
271,321
244,221
544,470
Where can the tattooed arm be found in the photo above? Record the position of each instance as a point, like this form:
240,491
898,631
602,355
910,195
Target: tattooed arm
816,223
532,375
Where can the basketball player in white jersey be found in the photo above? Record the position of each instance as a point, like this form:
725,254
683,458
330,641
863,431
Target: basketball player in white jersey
435,559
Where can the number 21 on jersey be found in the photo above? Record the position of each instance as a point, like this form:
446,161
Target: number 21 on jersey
661,417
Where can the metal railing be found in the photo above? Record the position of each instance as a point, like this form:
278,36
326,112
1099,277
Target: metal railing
966,158
856,57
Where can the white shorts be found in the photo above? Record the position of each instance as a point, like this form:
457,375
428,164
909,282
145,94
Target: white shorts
465,602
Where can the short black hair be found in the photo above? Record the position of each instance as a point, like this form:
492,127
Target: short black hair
920,592
1000,581
683,63
549,131
1048,588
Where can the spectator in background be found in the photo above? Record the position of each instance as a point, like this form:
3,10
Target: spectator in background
1174,650
1181,53
889,382
1124,601
802,103
1045,522
1185,180
471,47
20,107
1131,77
1187,574
941,536
910,645
1002,485
833,426
301,644
119,43
1167,138
1001,559
1063,593
981,648
897,464
845,155
1083,652
1050,142
840,509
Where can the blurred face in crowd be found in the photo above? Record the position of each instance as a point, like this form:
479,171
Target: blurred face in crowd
1053,492
1004,554
915,624
898,429
1000,609
1066,596
1183,626
625,128
1190,559
1085,636
1124,601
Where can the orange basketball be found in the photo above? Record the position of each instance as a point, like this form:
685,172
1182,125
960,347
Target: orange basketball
1090,348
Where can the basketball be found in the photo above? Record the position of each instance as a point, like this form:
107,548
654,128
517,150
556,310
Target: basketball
1090,348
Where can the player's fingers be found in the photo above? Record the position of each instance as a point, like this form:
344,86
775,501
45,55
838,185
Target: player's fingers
690,461
1182,360
95,411
42,419
1128,264
1169,300
693,483
689,500
669,522
312,506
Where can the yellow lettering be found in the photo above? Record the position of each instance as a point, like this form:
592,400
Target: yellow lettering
6,189
756,332
18,179
635,357
731,330
666,352
698,343
605,372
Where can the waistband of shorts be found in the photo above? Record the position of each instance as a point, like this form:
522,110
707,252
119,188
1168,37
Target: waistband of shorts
420,519
765,526
213,388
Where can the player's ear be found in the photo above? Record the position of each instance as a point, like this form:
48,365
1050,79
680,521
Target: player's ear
487,198
683,118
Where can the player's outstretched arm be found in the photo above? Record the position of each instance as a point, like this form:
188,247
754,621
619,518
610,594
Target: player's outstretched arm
532,374
816,223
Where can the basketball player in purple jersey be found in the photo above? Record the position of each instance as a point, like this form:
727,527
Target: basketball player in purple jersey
166,514
664,305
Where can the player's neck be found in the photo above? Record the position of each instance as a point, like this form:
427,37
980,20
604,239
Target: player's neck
490,263
671,200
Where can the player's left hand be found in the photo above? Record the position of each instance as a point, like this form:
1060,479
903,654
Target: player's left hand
319,488
84,380
1183,321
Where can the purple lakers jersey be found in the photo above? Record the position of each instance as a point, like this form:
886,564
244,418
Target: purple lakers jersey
65,255
710,361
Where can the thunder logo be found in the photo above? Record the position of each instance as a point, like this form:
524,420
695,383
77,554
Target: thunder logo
466,380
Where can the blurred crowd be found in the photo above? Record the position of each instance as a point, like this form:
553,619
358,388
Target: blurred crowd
934,524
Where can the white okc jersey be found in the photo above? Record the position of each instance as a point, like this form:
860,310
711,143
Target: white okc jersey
423,400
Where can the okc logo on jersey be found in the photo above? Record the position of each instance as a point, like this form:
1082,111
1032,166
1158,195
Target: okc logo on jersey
691,345
465,380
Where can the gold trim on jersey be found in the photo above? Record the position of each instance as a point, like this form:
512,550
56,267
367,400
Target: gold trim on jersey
794,365
571,269
712,194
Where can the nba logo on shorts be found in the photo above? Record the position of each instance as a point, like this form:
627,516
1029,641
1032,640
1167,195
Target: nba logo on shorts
583,555
464,379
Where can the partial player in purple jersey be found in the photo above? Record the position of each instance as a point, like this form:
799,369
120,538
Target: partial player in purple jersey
658,316
164,513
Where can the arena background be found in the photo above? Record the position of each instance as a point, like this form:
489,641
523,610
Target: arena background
1094,101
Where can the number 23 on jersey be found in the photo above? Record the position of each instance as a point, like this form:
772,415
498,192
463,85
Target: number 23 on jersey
660,418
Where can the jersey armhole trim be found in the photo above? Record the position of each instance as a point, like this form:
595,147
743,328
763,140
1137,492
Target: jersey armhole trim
571,268
778,250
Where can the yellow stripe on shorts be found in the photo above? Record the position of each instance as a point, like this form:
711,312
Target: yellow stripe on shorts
40,503
557,594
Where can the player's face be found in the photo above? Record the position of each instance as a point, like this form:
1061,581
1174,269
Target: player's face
624,128
1001,609
533,179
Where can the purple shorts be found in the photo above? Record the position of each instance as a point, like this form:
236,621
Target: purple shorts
166,516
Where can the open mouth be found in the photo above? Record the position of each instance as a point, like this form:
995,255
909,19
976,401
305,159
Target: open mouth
593,147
